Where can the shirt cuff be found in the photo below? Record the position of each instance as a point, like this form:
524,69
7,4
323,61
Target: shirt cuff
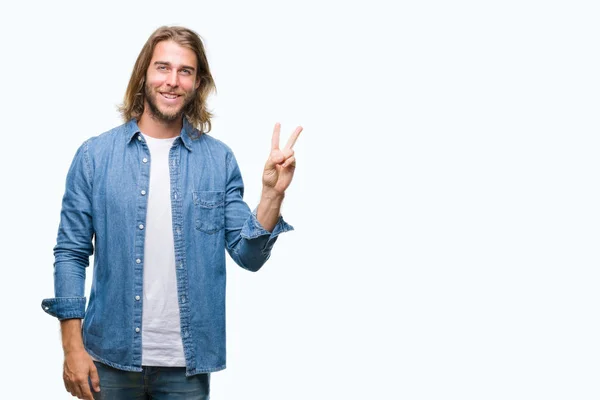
65,307
252,229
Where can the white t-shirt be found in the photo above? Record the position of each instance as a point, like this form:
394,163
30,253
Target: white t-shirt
161,333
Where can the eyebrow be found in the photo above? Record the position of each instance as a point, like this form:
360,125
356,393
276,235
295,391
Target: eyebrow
168,64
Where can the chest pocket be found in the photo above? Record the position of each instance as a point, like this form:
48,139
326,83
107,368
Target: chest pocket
209,210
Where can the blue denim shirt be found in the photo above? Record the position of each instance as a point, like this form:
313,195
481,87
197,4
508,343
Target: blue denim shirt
106,200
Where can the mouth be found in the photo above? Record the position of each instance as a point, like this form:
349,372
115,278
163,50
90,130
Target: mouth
170,96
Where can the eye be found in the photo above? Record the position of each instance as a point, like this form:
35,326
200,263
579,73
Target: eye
162,68
186,71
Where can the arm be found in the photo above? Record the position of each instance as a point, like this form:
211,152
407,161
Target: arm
250,246
72,252
74,242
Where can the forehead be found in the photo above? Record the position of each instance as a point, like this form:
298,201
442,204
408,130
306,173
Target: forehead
173,53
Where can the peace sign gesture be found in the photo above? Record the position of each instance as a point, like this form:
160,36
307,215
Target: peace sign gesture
280,166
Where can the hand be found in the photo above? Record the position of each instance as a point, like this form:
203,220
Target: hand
281,164
78,366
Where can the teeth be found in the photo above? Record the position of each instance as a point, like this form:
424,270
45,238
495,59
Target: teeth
169,96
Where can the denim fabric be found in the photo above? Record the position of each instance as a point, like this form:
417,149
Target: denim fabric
105,201
158,383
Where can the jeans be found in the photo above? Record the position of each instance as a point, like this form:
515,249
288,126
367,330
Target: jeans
160,383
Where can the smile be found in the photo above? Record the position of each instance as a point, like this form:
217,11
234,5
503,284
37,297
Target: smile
169,96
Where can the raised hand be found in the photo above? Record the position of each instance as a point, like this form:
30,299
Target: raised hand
279,169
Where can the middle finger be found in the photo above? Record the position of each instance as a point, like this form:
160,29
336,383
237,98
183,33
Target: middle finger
292,140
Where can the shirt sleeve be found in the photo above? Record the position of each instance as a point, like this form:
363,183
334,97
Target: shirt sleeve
74,241
249,244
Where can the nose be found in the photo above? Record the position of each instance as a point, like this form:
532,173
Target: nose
172,79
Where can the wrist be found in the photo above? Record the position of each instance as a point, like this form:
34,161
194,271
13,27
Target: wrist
72,341
74,349
272,195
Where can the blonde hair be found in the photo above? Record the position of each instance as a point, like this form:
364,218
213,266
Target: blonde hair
196,112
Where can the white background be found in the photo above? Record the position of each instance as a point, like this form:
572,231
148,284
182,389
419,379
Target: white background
446,201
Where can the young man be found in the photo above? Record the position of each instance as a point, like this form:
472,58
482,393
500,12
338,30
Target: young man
163,200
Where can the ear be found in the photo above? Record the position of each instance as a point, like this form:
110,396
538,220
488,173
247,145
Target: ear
198,82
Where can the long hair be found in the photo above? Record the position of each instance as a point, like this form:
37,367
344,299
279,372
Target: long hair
196,112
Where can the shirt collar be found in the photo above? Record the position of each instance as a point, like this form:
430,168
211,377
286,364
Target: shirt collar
187,134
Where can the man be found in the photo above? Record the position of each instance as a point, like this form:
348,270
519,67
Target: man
162,200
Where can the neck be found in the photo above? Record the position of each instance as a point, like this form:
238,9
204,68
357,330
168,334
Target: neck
157,128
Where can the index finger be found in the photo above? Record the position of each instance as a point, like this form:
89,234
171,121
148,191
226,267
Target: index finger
275,139
292,140
86,392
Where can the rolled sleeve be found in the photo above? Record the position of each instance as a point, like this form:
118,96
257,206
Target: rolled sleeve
74,241
253,230
65,307
255,244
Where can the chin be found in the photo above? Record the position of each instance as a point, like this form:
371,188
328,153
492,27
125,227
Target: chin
170,117
170,113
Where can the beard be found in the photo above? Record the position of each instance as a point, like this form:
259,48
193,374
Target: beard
168,116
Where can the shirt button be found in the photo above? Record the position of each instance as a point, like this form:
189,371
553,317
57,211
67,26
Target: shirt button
137,298
138,261
137,329
183,299
144,160
141,226
143,192
139,138
178,231
175,196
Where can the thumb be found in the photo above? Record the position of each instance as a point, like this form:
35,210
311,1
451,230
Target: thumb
94,378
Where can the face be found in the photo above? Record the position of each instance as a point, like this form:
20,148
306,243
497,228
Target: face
170,81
